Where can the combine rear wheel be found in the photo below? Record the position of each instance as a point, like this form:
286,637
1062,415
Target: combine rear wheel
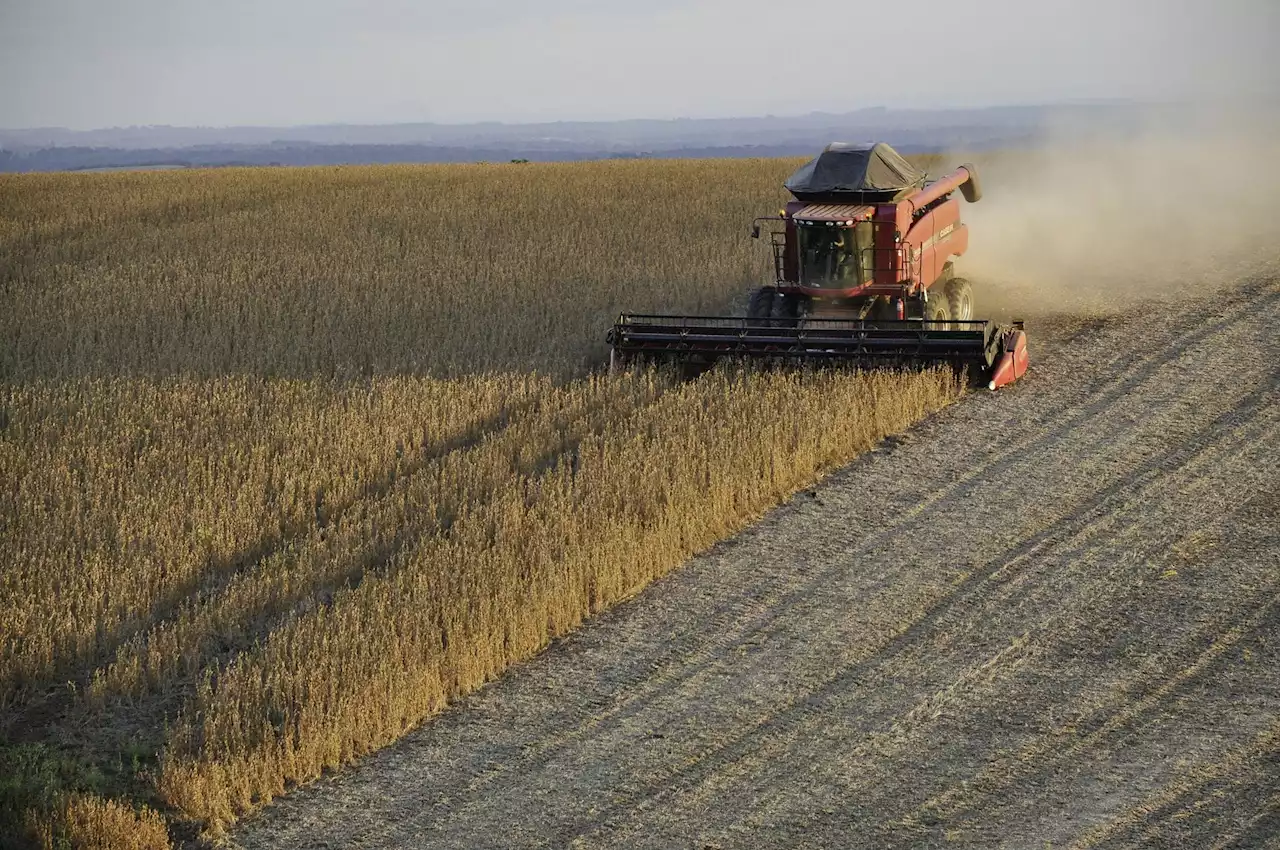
959,297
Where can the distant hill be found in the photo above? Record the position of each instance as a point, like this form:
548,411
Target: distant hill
924,131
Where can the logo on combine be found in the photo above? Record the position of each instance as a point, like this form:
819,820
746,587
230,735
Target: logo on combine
931,241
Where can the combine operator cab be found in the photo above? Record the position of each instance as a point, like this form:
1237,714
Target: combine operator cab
835,256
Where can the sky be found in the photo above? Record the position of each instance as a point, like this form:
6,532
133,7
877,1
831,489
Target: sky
87,64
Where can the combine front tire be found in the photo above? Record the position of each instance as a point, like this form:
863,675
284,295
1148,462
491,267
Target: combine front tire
936,309
761,304
959,297
786,311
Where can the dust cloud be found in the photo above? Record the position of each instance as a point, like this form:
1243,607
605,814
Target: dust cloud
1099,225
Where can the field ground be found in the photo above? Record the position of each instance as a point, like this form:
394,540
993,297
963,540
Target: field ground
292,460
1046,618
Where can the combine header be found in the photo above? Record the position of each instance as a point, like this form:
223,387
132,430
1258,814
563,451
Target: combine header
863,273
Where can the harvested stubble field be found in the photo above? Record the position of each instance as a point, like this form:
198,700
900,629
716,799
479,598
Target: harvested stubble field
289,460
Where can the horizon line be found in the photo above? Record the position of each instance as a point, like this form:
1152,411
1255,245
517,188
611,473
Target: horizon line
1080,102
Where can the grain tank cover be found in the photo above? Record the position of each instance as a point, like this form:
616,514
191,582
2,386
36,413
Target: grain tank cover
855,172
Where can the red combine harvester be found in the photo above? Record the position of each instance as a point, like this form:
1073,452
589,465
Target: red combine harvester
863,273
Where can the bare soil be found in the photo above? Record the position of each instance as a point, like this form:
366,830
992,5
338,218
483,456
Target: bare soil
1049,617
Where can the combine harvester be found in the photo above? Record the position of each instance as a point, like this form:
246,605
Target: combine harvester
863,274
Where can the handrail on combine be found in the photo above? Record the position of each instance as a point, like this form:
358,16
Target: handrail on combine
900,261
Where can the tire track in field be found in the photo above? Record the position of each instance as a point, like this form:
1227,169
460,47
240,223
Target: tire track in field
551,752
1265,434
1126,711
1168,688
1194,811
1015,788
1173,722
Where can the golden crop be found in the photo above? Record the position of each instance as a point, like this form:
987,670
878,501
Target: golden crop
291,458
